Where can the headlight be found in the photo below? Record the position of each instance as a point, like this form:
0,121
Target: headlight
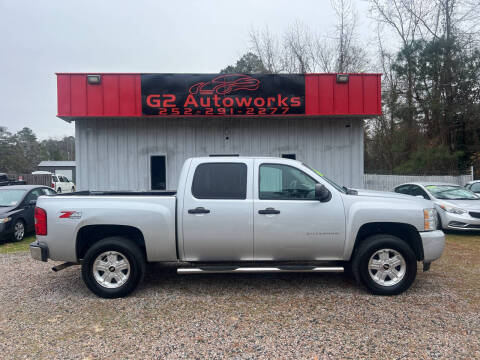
5,220
429,219
452,209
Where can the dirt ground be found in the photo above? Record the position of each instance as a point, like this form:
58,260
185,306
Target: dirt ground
282,316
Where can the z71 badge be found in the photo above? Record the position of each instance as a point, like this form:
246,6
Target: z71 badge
69,214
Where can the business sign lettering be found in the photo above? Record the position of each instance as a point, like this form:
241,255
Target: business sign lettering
224,94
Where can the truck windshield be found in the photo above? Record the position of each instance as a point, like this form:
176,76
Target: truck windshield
342,189
10,197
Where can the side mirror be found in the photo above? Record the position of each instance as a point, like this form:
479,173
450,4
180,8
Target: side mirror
322,194
32,202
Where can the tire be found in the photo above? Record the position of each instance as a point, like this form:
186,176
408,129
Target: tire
59,190
73,188
439,222
385,252
107,253
18,230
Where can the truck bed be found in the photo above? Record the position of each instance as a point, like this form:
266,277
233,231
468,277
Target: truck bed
151,213
121,193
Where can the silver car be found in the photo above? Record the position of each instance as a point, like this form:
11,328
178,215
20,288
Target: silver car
473,186
458,208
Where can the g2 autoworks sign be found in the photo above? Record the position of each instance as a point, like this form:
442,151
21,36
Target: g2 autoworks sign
224,94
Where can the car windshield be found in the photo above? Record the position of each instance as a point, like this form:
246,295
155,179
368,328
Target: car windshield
342,189
10,197
450,192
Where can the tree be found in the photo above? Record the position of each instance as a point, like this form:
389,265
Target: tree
431,86
22,152
349,56
301,50
247,64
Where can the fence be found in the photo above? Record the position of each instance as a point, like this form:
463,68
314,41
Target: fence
388,182
33,179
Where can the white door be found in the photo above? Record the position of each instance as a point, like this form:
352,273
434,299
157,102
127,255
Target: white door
64,184
289,223
217,211
56,182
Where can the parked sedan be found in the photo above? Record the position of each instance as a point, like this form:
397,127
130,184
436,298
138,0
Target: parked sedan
17,205
458,208
473,186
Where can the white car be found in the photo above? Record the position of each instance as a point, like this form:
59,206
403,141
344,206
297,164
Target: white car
60,183
458,208
473,186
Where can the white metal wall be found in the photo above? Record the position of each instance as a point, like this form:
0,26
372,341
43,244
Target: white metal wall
113,154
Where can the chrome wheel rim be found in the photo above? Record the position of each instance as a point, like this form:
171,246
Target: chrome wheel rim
387,267
19,231
111,269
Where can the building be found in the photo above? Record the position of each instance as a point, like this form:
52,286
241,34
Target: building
134,131
66,168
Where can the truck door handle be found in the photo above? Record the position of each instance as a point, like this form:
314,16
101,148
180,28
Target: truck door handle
199,210
269,211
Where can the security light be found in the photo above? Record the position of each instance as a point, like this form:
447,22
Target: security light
94,79
342,78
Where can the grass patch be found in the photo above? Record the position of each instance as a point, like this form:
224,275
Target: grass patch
460,265
12,247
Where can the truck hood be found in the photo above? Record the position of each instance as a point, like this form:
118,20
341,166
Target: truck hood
463,204
386,194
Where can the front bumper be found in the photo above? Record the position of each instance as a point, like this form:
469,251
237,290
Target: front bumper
433,244
463,222
39,251
6,230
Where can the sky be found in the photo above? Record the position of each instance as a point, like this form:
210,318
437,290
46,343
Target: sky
42,37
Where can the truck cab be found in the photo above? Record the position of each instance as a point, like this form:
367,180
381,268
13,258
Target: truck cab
257,209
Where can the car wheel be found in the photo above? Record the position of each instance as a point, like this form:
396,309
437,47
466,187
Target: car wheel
113,267
385,264
59,191
18,230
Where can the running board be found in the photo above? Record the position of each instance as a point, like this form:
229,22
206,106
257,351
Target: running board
286,269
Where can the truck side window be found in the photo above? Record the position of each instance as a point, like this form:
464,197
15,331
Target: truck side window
283,182
220,181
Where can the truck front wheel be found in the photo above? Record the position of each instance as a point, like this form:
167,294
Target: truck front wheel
385,264
113,267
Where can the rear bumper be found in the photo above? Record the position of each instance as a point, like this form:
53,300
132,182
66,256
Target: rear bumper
39,251
433,244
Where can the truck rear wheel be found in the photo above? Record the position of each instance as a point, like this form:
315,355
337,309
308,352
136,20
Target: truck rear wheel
113,267
385,264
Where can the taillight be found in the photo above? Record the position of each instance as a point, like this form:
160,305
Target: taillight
40,221
53,186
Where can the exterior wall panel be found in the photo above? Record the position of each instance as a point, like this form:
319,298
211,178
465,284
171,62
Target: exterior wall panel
114,154
119,95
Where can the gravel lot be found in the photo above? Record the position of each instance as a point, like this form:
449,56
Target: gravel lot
287,316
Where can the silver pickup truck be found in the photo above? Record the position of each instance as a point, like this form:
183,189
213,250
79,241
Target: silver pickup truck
240,214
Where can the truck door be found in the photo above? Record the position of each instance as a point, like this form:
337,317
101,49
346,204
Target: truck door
289,223
217,215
